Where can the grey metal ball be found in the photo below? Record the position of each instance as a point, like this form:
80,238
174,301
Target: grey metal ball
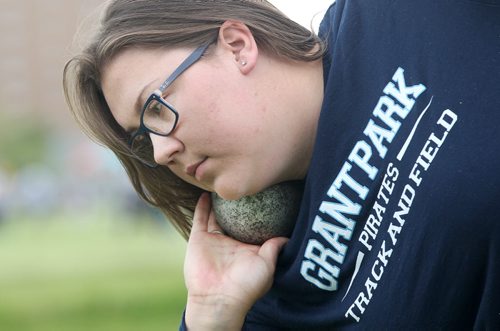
257,218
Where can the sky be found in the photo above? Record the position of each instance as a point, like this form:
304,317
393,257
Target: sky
304,11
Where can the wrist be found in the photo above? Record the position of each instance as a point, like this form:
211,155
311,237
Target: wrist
216,312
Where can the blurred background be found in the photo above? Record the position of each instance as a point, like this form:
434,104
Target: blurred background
78,249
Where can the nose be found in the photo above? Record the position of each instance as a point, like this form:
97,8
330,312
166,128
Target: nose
165,148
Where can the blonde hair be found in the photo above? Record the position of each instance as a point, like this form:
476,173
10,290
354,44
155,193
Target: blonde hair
168,24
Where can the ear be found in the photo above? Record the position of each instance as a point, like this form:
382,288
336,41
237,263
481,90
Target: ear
236,37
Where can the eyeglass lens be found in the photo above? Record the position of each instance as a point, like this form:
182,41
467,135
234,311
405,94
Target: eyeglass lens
159,119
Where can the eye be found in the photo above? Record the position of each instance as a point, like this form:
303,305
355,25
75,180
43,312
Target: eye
155,108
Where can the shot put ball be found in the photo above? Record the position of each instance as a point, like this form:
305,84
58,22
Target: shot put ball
257,218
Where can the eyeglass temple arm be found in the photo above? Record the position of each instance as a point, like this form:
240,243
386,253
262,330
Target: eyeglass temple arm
197,53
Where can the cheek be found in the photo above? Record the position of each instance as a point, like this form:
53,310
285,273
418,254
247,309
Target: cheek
221,119
231,117
212,120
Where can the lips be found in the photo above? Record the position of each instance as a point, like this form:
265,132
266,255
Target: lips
191,170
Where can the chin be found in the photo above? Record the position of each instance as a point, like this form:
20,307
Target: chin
229,194
233,192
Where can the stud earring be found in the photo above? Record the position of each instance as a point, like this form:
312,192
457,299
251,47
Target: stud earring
243,63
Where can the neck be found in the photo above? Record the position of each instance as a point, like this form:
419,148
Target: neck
312,90
303,99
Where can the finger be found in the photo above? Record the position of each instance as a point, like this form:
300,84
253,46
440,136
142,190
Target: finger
213,226
269,251
201,214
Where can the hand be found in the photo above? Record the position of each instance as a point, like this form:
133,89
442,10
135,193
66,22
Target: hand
224,277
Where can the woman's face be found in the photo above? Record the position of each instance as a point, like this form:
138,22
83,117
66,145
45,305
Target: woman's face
231,137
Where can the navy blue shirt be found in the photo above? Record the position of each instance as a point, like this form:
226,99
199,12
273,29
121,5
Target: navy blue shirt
399,226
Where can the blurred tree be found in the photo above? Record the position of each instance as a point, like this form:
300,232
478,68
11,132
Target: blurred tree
23,140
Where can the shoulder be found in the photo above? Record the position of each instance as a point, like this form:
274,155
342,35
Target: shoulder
329,20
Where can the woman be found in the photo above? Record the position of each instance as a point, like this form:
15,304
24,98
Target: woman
388,126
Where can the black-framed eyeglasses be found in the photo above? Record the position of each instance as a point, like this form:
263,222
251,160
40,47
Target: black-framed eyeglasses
158,116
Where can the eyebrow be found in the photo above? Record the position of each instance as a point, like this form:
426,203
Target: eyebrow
139,105
189,61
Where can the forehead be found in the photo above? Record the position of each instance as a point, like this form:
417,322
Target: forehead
135,73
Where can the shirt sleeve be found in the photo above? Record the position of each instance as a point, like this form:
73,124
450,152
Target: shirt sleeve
183,326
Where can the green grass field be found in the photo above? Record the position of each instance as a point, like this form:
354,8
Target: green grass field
90,273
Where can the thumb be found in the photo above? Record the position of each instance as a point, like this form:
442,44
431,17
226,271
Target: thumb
270,249
201,214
